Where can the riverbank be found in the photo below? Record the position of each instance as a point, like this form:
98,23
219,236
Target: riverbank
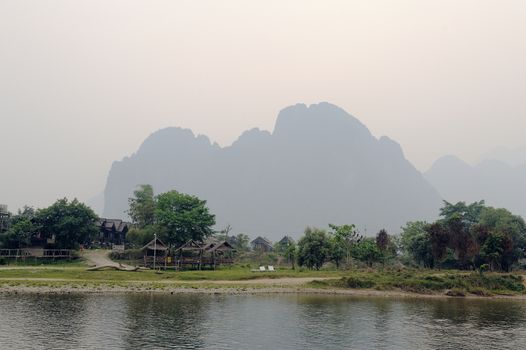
232,290
240,280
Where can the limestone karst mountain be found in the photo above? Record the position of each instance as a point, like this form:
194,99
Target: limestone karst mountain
320,165
499,183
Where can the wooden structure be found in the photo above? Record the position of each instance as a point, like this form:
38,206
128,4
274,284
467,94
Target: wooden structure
36,253
112,231
262,245
155,251
197,255
286,241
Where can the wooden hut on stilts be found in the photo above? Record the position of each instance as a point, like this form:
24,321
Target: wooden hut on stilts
197,255
155,254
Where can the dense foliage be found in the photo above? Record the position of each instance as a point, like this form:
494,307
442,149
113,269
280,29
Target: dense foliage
63,225
467,237
313,248
175,217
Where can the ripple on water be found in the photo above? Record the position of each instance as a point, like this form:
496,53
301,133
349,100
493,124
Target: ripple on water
121,321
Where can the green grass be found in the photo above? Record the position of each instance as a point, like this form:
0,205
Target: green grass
409,280
431,281
79,273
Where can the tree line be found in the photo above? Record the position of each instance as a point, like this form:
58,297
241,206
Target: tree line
64,225
466,236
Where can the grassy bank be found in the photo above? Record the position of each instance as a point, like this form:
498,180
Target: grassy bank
77,272
74,276
454,283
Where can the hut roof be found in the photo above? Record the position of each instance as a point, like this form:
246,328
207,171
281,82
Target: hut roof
286,240
110,224
221,246
153,245
191,245
261,240
207,247
123,226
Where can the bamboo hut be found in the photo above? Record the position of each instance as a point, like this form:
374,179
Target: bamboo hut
197,255
155,253
261,244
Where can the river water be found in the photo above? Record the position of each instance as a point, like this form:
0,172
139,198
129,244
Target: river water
135,321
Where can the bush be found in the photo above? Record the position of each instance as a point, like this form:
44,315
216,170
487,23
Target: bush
456,292
417,282
359,282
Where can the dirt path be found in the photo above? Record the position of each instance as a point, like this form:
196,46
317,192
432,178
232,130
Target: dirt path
98,258
101,259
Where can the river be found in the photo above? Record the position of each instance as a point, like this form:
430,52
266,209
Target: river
144,321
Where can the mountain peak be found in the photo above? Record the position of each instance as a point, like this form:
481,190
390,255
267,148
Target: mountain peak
320,165
322,119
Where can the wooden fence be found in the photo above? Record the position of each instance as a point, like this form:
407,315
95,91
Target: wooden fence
36,253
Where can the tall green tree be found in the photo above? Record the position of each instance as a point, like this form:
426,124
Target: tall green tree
462,240
346,237
240,242
337,251
313,248
494,248
367,251
142,206
512,227
291,254
19,233
470,213
71,223
382,240
440,240
181,217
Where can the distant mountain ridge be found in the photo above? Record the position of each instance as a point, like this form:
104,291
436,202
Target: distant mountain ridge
320,165
497,182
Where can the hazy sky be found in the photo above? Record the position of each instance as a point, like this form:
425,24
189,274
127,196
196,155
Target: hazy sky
82,83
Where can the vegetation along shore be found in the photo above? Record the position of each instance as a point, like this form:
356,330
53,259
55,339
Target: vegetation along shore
473,250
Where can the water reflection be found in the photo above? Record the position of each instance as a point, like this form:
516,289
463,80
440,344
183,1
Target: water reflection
153,321
26,319
129,321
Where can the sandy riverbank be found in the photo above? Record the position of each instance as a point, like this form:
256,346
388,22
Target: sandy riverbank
224,288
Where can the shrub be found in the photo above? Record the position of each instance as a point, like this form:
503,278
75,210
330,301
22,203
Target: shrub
359,282
456,292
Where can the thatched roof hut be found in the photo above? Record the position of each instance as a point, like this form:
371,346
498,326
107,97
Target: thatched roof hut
155,253
155,245
212,252
286,241
262,244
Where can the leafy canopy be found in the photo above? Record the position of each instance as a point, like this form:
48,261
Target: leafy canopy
313,248
181,217
142,206
72,223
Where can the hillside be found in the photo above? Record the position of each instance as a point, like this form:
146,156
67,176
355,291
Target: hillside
320,165
498,183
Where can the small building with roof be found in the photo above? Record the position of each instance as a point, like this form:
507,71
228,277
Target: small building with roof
261,244
196,254
112,231
155,251
286,241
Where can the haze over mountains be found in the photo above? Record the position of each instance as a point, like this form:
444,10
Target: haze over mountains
499,180
320,165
